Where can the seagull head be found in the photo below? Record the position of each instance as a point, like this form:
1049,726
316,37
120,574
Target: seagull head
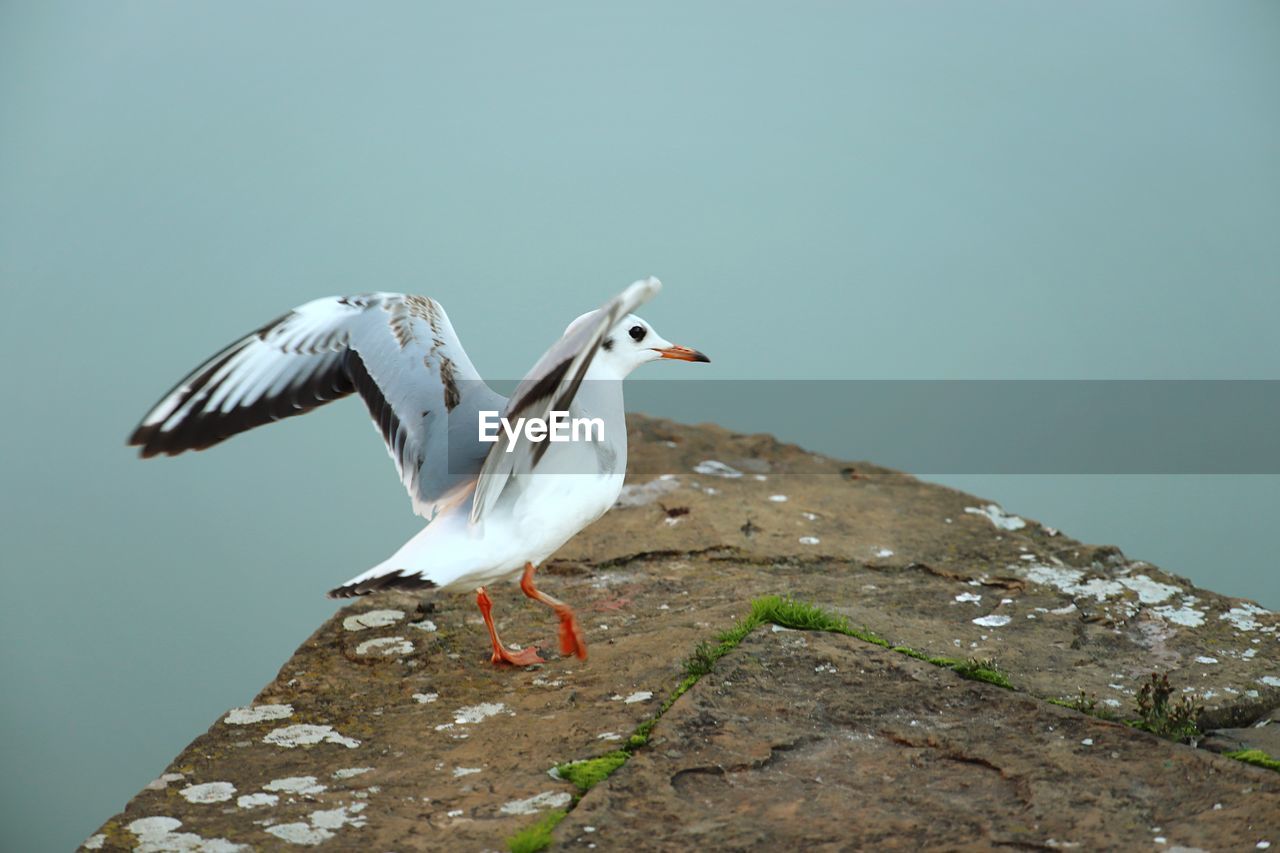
633,342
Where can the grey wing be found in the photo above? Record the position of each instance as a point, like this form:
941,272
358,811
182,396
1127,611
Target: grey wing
399,353
551,386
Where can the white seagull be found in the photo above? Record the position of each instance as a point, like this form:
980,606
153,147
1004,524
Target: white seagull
493,509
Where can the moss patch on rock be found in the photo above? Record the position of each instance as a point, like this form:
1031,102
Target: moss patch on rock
1256,757
972,669
588,773
537,837
776,610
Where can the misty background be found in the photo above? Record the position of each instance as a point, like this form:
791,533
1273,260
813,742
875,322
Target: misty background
830,191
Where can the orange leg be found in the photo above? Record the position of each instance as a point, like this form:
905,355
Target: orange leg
501,653
571,642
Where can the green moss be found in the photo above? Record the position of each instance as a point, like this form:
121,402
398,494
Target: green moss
1256,757
790,613
681,688
972,669
1085,703
640,736
982,670
774,609
700,662
537,837
588,773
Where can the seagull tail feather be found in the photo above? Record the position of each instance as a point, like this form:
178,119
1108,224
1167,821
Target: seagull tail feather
398,579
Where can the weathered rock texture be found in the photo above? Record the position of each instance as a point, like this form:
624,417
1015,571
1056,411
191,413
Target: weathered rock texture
818,741
389,729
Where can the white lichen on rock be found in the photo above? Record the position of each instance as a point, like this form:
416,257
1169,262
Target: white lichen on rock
536,803
321,826
372,619
1185,615
476,713
295,785
208,792
715,468
350,772
997,516
300,833
994,620
339,817
1072,582
156,835
1150,591
1244,617
257,714
385,646
1075,583
163,782
305,734
253,801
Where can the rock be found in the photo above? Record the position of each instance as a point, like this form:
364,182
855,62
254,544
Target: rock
382,733
1263,735
817,741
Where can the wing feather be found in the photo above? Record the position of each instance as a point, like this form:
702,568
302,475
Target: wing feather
551,385
398,352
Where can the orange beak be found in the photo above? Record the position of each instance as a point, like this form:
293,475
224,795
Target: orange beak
682,354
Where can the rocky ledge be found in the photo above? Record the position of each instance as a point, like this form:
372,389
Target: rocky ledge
904,688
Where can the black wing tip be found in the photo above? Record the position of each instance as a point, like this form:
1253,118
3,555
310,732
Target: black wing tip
401,580
151,442
141,438
189,425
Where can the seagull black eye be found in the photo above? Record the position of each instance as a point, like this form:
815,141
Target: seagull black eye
636,333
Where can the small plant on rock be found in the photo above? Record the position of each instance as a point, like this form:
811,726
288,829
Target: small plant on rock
702,660
1162,716
982,669
1085,703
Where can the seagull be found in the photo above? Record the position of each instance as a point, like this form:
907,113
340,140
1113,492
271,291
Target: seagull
496,507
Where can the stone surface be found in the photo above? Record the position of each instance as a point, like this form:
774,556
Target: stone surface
818,741
1263,734
392,730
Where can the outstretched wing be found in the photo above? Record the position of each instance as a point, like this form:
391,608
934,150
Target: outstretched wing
551,386
398,352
